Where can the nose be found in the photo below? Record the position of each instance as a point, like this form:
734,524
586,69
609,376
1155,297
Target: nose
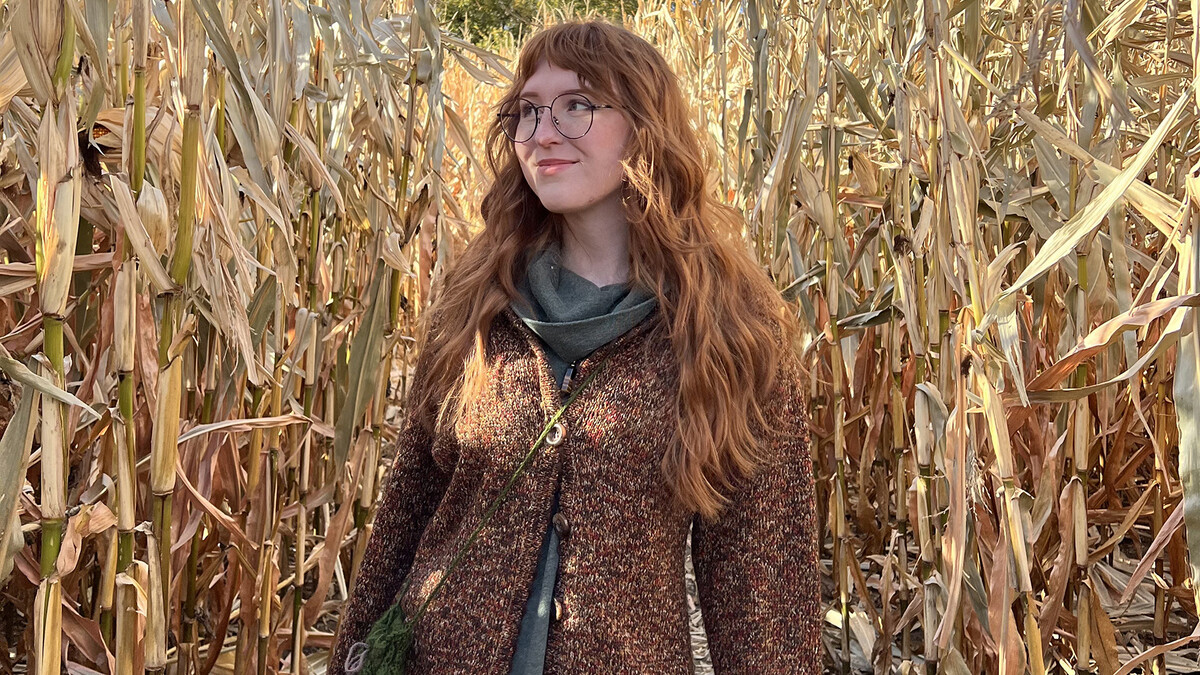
546,133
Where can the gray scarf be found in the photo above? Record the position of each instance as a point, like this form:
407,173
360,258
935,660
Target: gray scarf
572,315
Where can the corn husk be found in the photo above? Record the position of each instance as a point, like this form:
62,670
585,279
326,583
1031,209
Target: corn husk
152,208
125,317
126,475
164,450
156,618
57,217
131,619
108,577
37,45
47,625
53,462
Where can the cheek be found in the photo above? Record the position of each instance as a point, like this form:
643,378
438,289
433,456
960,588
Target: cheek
608,169
525,170
610,150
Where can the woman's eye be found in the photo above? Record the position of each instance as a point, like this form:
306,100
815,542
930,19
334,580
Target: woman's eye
578,105
527,111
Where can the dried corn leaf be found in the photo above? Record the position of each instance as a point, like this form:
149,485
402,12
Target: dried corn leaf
1064,240
15,445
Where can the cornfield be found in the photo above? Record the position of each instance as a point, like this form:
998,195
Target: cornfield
221,220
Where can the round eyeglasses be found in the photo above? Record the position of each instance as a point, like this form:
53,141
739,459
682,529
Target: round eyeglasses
571,113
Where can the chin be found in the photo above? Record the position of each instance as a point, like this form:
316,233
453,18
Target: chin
555,204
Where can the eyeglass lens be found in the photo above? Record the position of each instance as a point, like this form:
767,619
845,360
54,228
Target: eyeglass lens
571,113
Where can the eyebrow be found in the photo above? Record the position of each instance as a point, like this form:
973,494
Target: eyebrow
577,90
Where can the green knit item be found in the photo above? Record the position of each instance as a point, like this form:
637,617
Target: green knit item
389,644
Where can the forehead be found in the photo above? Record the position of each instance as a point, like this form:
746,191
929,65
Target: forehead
548,81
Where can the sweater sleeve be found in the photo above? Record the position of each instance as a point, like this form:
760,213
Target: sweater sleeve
413,491
757,566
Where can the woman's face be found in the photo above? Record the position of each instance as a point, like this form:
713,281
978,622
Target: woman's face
572,176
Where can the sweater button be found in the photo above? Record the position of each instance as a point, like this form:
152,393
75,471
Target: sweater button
561,525
557,433
558,610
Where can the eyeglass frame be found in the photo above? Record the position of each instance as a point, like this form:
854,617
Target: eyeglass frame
537,116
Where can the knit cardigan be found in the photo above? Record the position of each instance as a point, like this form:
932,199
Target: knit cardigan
573,317
621,568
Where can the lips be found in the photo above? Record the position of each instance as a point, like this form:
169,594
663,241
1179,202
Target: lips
550,167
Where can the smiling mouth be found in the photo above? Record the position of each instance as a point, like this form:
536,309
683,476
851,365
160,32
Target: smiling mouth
554,168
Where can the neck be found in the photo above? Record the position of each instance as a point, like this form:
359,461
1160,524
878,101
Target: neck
596,245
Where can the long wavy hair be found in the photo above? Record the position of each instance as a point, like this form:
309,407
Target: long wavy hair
727,324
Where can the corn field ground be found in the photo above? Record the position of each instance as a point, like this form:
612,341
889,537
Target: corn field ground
220,220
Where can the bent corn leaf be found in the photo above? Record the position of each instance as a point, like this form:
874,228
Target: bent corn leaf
17,371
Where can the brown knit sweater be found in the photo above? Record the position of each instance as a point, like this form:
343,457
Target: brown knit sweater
621,578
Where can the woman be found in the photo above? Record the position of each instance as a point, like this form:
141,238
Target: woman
603,245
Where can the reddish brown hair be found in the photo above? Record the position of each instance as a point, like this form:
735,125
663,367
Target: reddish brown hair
727,323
